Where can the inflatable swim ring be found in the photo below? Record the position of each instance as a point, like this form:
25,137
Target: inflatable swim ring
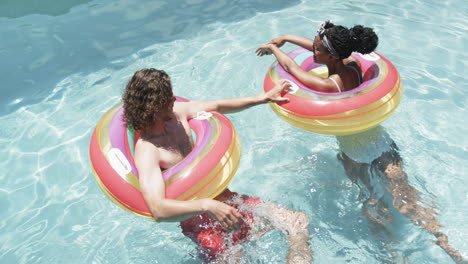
204,173
344,113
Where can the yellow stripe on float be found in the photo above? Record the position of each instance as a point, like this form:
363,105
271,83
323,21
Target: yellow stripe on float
228,164
351,113
349,124
184,172
103,139
220,183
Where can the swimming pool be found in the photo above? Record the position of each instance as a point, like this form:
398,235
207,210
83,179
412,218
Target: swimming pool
63,68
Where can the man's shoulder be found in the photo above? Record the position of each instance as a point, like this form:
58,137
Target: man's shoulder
146,153
179,107
182,109
146,147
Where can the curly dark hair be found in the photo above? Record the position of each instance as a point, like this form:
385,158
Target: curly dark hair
148,93
345,41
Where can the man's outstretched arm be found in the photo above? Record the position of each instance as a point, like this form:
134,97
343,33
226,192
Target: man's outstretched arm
237,104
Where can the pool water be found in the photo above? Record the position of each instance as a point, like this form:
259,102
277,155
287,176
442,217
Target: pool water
63,67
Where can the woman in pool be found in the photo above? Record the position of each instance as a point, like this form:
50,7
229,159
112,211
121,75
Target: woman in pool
165,139
332,46
372,158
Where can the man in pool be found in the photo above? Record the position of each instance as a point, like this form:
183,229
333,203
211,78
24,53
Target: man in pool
165,139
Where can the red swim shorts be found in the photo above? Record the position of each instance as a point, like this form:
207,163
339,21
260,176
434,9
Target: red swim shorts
210,235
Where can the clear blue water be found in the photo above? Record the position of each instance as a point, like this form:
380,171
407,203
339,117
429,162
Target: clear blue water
65,62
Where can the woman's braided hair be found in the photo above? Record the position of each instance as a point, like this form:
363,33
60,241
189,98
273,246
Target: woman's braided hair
345,41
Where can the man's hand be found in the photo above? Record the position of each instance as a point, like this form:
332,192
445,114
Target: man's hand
227,215
275,94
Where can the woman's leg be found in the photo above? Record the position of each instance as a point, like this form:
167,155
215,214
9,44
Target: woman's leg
407,201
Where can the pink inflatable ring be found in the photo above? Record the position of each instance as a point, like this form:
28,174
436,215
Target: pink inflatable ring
204,173
344,113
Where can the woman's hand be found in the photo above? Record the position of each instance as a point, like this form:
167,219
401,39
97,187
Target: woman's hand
278,41
227,215
264,50
275,94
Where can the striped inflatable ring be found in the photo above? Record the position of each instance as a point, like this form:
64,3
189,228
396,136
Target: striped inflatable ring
344,113
204,173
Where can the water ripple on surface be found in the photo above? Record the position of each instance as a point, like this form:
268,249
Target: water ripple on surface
53,210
